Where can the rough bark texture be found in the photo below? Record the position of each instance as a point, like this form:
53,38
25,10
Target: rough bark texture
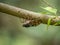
29,15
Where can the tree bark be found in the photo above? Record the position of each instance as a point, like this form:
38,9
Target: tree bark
29,15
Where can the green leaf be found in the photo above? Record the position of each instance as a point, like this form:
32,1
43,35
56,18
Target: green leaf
50,9
48,23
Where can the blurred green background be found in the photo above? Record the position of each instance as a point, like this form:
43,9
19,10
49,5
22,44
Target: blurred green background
13,33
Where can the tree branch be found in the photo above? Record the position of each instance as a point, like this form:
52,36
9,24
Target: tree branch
29,15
